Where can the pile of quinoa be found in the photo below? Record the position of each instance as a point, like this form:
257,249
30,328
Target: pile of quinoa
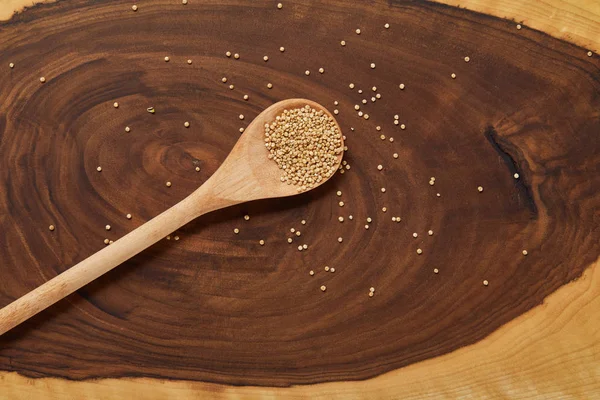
305,143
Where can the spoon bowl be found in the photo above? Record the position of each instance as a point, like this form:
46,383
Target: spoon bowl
246,174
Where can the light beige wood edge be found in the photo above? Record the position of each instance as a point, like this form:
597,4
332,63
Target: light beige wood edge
9,7
576,21
551,352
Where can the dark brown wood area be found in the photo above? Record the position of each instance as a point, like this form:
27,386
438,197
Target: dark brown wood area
215,306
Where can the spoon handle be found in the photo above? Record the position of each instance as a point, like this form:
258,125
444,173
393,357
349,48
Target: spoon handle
98,264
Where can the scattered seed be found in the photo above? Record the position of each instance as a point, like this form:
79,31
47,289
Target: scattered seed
151,110
332,270
116,105
453,75
107,227
167,59
516,176
290,240
228,54
311,273
401,86
279,6
341,204
186,124
435,270
236,230
282,49
11,65
236,56
340,239
134,7
395,155
382,190
341,219
246,97
430,232
305,246
321,70
261,242
358,31
168,184
519,26
300,248
51,227
480,189
246,217
307,72
323,288
303,222
189,62
269,85
197,169
387,26
467,59
127,129
525,252
99,169
485,283
380,167
371,294
351,86
231,87
343,42
369,220
106,241
372,65
298,233
326,268
367,227
589,53
176,238
128,216
419,251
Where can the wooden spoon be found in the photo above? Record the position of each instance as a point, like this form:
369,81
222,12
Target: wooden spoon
245,175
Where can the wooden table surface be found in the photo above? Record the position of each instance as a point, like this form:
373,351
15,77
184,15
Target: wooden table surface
214,314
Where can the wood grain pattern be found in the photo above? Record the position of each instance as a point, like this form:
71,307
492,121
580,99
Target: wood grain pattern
576,21
549,353
508,110
247,174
